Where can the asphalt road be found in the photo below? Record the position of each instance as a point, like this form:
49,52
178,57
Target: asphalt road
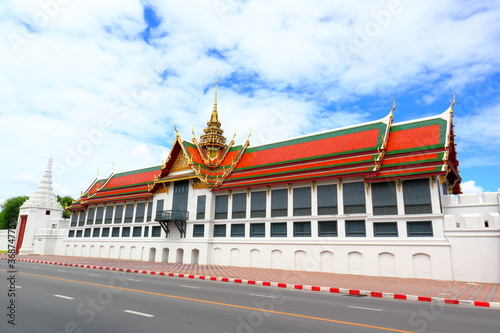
59,299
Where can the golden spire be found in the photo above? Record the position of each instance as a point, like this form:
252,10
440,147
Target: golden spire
212,139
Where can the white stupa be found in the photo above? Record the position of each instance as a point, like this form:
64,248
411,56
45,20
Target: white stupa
44,196
37,212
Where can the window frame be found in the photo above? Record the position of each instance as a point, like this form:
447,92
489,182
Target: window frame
302,225
355,233
326,233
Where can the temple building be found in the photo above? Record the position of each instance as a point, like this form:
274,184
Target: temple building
379,198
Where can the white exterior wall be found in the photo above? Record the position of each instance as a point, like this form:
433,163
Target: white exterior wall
4,240
475,245
452,253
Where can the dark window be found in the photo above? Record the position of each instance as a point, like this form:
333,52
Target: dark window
109,215
90,217
146,231
301,229
150,211
327,199
79,233
156,231
47,212
220,207
385,229
279,203
74,218
257,230
278,229
105,232
200,207
239,205
96,232
354,198
199,230
137,232
419,229
417,196
220,230
99,215
327,229
129,213
126,232
81,219
181,194
258,204
115,232
71,233
237,230
384,198
302,201
355,228
159,207
139,212
118,214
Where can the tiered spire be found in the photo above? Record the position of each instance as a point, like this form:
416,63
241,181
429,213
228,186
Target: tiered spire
44,196
212,139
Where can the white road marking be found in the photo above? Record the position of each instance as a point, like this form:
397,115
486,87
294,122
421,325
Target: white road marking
19,287
134,280
358,307
60,270
139,313
183,286
94,274
62,296
262,295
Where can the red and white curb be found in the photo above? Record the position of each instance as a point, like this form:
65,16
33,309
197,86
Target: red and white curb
284,285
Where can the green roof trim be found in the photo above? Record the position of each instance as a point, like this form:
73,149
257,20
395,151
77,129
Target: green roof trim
315,137
350,152
362,163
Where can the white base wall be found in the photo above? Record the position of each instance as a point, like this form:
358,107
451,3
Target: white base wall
475,255
409,261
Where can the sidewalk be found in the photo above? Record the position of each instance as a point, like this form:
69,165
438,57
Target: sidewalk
452,292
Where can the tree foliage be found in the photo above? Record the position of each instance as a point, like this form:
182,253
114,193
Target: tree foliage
65,201
10,211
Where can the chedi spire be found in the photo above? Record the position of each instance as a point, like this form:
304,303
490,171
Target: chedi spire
44,196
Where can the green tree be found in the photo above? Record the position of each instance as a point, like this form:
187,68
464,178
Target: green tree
65,201
10,211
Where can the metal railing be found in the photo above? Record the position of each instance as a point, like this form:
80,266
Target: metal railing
172,215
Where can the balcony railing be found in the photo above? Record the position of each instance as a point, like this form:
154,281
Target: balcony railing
172,215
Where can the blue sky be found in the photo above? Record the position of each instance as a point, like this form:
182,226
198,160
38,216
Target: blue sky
99,84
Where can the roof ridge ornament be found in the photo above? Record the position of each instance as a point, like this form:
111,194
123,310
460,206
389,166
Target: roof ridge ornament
391,114
452,103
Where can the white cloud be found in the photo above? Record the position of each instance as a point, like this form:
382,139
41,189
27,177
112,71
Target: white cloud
470,187
83,84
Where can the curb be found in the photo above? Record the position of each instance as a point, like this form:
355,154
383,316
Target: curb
285,285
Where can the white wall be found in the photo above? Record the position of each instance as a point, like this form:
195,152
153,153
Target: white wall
475,245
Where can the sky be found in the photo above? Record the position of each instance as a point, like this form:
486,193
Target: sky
100,84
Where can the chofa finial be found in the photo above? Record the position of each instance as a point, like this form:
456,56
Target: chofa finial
453,102
393,108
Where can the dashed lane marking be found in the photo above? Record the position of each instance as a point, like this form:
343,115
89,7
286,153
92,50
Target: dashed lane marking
361,308
262,295
139,313
62,296
183,286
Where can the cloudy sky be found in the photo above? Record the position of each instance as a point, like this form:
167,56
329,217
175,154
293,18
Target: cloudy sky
97,83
